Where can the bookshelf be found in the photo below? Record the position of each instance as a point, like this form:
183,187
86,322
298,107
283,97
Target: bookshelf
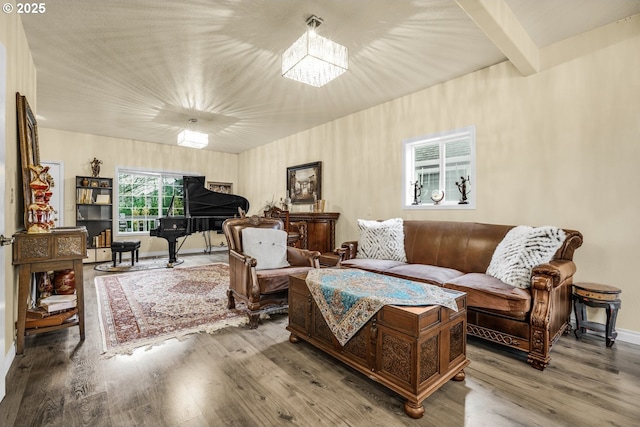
94,210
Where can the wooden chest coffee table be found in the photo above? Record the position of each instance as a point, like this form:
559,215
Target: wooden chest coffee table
410,350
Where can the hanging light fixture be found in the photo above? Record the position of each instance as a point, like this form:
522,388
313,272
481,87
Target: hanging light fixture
191,138
313,59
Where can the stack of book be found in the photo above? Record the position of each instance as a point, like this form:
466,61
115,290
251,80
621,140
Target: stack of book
52,311
56,303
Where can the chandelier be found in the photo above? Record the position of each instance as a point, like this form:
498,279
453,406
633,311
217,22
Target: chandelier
313,59
191,138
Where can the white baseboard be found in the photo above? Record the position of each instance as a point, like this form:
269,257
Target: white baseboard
631,337
214,249
624,335
8,359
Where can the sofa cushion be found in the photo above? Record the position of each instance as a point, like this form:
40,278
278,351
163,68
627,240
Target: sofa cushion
523,248
424,273
484,291
267,245
375,265
381,240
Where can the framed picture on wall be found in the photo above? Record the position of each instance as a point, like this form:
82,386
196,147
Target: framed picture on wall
220,187
29,148
304,182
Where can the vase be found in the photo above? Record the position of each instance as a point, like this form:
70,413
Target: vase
84,182
64,282
45,287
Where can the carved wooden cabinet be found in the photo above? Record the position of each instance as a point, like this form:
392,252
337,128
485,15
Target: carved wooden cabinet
321,230
410,350
61,249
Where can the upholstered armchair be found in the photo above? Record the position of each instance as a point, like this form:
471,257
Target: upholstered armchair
260,263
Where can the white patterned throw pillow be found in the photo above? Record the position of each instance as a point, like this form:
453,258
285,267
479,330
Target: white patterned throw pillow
521,249
267,245
381,240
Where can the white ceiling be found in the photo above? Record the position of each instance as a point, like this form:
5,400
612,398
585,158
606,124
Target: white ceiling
139,69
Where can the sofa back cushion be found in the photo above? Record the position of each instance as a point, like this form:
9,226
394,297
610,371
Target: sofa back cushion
464,246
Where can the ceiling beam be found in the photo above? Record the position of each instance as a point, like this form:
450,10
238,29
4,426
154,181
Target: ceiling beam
496,19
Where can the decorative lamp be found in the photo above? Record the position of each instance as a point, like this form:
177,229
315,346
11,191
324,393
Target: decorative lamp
313,59
191,138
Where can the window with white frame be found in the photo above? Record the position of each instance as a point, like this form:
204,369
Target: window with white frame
144,196
440,165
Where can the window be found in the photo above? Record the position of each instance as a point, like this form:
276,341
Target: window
144,196
442,161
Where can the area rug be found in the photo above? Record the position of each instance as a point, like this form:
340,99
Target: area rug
143,264
148,307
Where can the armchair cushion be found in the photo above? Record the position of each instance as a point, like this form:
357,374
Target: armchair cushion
277,280
267,245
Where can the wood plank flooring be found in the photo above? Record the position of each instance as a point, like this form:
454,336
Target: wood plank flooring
241,377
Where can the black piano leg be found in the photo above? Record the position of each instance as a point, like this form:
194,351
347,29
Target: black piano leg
172,254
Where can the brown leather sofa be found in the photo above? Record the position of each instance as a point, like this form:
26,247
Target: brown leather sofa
456,255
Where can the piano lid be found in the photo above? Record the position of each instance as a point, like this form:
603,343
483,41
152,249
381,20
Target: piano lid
200,201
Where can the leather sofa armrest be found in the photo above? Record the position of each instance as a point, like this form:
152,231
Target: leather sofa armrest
303,257
347,250
552,274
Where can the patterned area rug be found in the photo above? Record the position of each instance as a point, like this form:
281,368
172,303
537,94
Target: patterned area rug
146,308
143,264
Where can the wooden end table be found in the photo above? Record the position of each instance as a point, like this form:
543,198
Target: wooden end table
599,296
61,249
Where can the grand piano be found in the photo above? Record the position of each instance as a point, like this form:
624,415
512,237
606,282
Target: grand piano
204,210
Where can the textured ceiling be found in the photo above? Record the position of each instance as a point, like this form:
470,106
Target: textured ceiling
139,69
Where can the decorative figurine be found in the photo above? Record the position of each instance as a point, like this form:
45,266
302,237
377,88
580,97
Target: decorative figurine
95,167
40,212
437,196
417,192
462,186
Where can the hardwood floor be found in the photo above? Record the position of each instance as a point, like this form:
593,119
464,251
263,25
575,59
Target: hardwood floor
243,377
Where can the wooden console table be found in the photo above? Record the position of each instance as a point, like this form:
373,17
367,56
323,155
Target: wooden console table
412,351
39,252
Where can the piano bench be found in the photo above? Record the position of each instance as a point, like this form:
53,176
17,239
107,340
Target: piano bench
126,246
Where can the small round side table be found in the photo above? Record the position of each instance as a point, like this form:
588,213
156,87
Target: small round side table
599,296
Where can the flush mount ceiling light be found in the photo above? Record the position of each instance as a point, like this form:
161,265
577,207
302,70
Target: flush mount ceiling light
313,59
191,138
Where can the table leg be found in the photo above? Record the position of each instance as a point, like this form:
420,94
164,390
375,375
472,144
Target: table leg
611,334
77,267
24,289
413,409
581,314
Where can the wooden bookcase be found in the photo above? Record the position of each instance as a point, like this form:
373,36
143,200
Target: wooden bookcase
94,210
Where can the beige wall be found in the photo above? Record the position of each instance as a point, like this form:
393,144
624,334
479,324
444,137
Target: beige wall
76,151
21,77
557,147
560,147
